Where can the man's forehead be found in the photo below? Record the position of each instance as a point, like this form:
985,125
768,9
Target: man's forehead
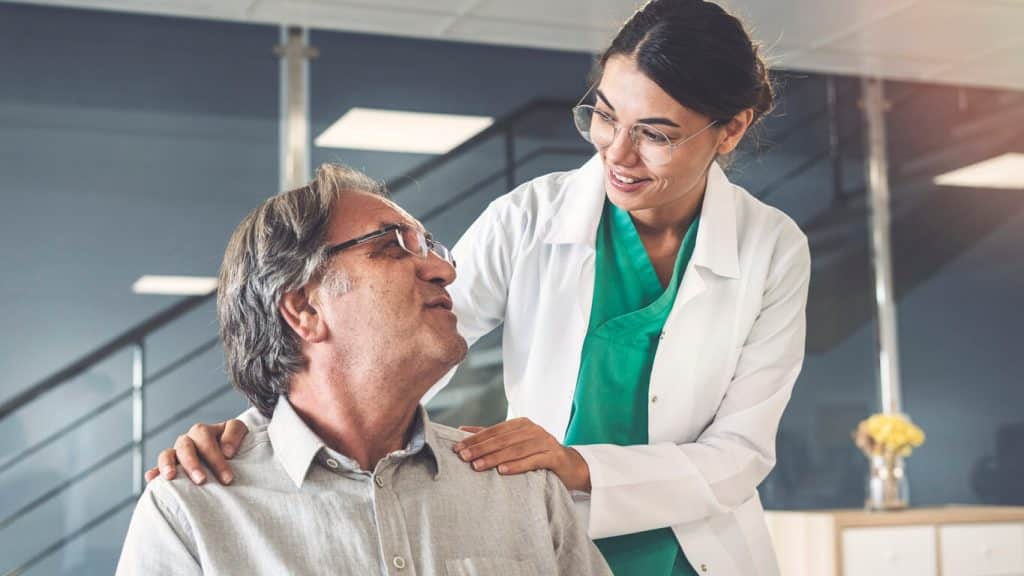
365,213
398,215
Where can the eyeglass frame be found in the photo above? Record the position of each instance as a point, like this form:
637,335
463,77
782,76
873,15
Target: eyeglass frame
427,241
672,145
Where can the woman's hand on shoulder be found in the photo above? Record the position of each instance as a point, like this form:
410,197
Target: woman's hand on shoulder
212,444
520,445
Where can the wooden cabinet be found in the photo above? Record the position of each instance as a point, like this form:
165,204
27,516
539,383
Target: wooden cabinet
951,541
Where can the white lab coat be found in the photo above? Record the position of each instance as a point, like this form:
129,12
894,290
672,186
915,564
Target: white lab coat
730,352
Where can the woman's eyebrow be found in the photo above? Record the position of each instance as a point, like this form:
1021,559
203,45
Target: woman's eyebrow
604,99
656,120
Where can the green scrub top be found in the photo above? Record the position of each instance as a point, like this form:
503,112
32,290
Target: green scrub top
629,309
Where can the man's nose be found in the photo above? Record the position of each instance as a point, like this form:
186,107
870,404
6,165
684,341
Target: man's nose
435,269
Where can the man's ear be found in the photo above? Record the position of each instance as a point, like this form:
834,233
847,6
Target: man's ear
299,309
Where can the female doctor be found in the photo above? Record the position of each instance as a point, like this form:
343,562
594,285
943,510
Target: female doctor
653,312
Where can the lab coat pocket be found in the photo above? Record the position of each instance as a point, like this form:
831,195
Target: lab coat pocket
481,566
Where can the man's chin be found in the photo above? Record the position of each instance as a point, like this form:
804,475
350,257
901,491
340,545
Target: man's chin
458,349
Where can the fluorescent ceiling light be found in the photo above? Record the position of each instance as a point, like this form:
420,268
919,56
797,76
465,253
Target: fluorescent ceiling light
1006,171
175,285
395,131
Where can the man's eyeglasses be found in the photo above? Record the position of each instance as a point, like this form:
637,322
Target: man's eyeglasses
412,240
600,129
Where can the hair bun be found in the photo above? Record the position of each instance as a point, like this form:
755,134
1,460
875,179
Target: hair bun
765,99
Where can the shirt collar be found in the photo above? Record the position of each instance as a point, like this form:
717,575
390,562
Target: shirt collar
296,446
583,195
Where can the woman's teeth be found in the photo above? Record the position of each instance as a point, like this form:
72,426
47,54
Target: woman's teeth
625,179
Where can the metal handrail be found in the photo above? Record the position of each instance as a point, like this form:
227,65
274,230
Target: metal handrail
102,408
114,455
128,338
95,521
502,125
494,177
76,423
102,516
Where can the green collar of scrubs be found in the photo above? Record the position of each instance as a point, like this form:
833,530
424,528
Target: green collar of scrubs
629,310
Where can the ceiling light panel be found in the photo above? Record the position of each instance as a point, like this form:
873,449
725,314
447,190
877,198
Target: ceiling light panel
399,131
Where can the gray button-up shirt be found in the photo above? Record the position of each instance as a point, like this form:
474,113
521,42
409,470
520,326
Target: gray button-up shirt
298,507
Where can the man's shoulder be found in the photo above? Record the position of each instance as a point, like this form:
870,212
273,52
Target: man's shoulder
249,465
535,482
447,435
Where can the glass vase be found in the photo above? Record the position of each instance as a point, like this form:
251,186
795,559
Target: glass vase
887,487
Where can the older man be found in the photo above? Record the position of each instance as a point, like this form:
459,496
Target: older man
335,321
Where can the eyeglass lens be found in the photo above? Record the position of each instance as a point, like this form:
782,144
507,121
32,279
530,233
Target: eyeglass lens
653,146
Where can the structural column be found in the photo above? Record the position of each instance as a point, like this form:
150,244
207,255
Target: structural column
295,54
879,202
138,417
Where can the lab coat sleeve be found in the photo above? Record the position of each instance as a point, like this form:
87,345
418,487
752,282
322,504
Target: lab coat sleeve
484,257
638,488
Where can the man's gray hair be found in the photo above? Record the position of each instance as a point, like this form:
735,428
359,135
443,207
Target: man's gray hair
278,248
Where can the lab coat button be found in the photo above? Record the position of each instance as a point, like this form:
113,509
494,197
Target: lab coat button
703,567
654,399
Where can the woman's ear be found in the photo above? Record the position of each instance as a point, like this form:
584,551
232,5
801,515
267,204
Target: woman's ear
299,310
734,130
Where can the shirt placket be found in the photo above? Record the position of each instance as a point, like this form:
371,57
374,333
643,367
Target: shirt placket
395,547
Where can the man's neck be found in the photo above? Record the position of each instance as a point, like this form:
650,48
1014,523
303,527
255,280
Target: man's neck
363,427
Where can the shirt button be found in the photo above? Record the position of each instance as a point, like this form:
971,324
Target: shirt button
380,482
332,463
399,562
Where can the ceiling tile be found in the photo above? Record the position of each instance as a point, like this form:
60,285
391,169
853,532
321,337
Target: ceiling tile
939,31
441,6
542,36
574,13
324,15
809,22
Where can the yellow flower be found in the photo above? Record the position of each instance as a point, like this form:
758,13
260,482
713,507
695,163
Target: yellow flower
891,434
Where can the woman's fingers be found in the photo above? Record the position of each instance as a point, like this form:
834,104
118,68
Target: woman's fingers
206,441
512,453
152,473
231,438
492,432
185,451
167,463
502,442
471,429
540,461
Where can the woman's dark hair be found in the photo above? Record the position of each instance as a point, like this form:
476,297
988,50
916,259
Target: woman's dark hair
699,54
